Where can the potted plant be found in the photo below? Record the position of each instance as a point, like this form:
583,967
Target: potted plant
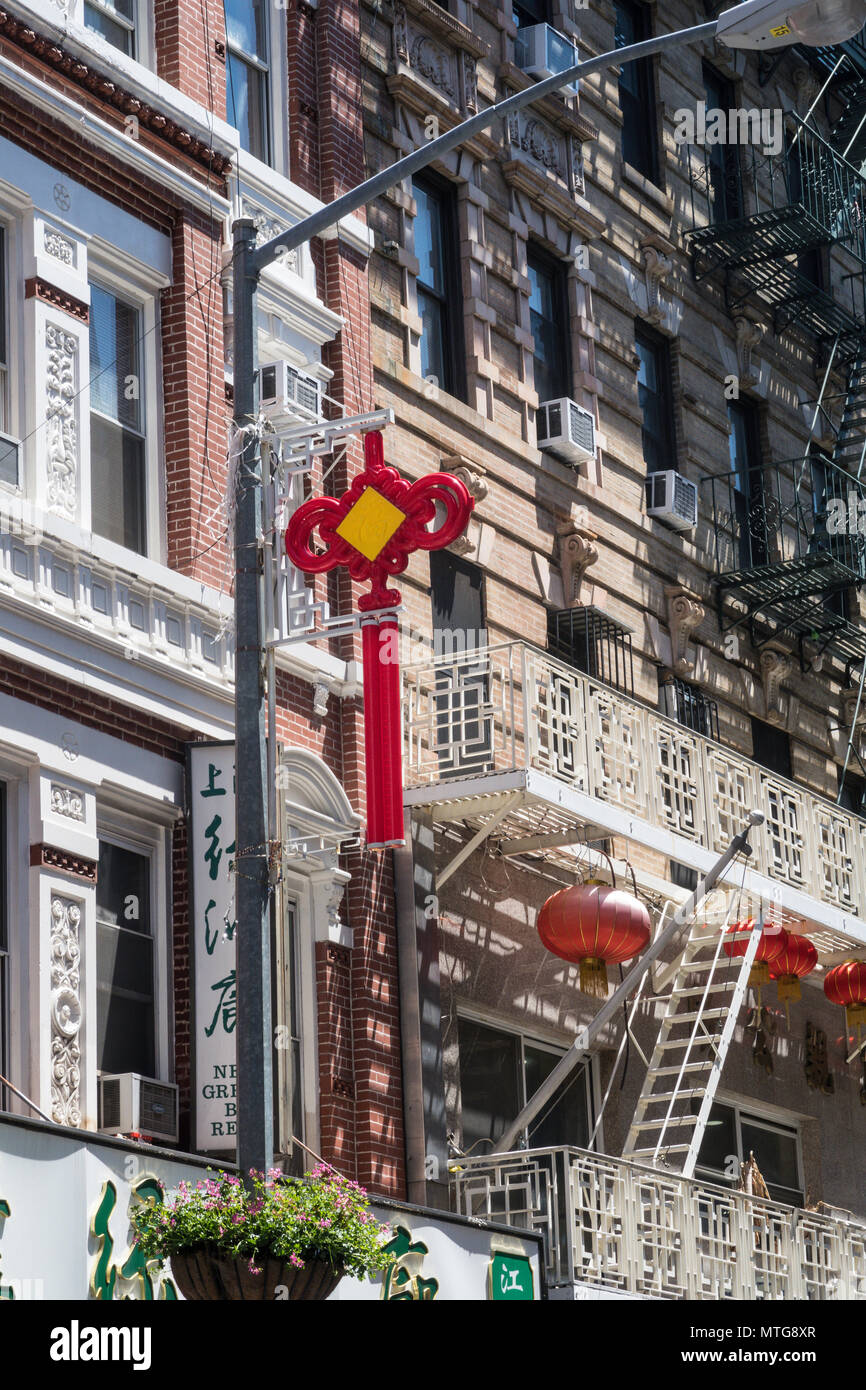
275,1237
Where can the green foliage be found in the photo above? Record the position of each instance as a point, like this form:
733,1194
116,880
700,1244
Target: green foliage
322,1216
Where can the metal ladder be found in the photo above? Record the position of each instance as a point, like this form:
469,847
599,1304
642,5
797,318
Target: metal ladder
708,989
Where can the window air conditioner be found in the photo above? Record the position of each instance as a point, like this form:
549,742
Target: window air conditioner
541,51
133,1104
567,430
285,393
673,499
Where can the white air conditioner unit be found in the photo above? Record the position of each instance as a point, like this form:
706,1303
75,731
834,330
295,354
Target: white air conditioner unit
541,51
673,499
564,428
287,394
133,1104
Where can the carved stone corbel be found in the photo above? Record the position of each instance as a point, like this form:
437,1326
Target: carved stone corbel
685,615
775,666
401,35
469,472
657,267
576,553
749,334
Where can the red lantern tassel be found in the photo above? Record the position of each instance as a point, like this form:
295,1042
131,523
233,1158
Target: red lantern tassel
382,733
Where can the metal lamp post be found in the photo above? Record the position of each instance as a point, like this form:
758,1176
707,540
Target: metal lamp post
757,24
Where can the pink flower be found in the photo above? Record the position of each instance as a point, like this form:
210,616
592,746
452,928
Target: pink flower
296,1261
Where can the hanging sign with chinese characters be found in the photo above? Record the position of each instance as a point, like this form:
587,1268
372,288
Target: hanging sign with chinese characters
372,530
212,916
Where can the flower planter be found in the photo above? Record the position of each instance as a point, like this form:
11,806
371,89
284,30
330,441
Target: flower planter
202,1276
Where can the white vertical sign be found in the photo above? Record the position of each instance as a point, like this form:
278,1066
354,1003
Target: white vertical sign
214,1011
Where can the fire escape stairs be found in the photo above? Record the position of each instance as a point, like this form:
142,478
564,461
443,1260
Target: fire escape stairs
694,1037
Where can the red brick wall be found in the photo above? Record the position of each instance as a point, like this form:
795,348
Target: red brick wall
187,33
195,411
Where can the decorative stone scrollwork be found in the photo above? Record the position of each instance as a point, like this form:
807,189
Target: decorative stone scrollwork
320,699
657,268
576,553
469,472
66,802
575,150
749,334
433,62
538,141
62,348
685,615
470,83
65,963
268,227
775,667
60,247
401,35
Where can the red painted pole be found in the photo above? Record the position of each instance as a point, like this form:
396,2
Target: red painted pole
382,732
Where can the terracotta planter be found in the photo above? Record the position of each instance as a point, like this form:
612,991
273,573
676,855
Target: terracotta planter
203,1276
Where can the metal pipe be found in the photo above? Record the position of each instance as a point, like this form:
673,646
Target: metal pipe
587,1035
410,1018
253,971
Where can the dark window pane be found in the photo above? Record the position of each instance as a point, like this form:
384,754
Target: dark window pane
636,92
530,12
565,1117
683,876
771,747
723,160
428,240
431,313
117,484
437,285
100,20
462,731
123,888
548,317
124,962
489,1082
776,1156
853,791
654,398
720,1139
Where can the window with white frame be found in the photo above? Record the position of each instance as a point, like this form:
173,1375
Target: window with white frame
125,963
115,21
118,456
289,1062
248,77
734,1132
499,1071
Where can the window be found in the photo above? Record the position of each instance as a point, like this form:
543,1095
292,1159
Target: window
750,519
548,319
688,705
288,1072
499,1071
528,12
636,98
590,640
771,747
457,596
828,485
853,796
439,306
683,876
248,74
733,1134
117,453
125,1010
114,20
723,163
655,400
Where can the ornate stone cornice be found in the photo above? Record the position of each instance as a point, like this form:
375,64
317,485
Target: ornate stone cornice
53,55
44,856
685,615
36,288
657,266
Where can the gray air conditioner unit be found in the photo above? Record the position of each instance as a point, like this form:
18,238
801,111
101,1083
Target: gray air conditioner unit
672,499
567,430
541,51
133,1104
287,394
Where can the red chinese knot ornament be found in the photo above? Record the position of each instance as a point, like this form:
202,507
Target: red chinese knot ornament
371,531
593,927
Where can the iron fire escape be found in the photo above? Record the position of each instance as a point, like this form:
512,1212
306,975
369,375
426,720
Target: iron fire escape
787,543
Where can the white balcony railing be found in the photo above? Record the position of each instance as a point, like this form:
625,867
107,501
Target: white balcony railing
514,707
635,1231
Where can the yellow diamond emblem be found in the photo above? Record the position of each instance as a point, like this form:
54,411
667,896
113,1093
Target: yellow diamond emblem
370,523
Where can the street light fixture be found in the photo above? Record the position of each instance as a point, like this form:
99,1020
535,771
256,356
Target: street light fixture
760,24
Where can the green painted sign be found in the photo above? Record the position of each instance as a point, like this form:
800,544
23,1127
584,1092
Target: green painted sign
511,1277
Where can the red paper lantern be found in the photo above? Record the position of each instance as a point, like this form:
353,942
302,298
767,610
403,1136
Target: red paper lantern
797,959
770,947
593,926
846,985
